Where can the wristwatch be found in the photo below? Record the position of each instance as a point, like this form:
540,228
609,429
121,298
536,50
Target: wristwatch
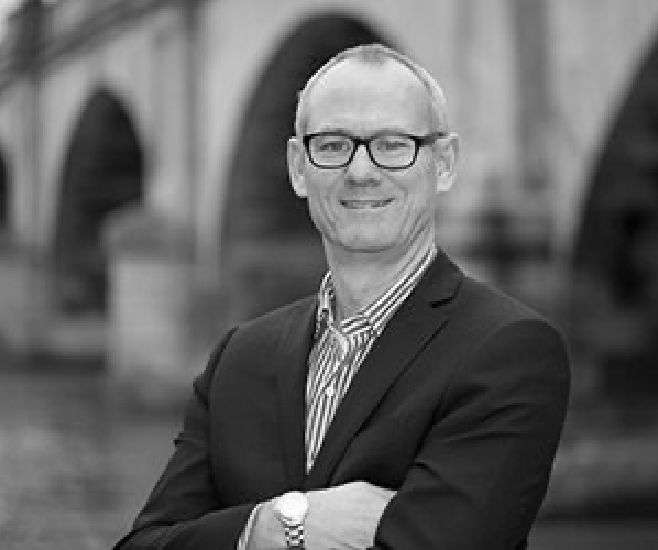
291,509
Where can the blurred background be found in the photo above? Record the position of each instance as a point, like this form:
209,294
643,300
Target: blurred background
145,208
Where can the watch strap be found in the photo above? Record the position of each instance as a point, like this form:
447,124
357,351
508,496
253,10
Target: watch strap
295,536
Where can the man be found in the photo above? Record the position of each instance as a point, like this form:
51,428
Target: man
405,406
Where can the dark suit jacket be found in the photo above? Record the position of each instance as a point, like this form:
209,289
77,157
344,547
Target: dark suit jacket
458,407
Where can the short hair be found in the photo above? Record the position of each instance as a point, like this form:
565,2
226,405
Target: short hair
376,54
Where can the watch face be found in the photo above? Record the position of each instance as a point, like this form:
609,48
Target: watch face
292,508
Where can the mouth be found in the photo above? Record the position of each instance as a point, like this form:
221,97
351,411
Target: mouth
365,204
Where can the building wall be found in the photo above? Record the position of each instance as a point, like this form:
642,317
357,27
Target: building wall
476,75
186,73
143,65
596,48
469,45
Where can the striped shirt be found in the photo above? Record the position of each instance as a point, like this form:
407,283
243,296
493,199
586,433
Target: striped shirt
340,348
337,354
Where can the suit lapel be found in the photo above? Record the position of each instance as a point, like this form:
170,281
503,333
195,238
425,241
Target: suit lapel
418,319
291,370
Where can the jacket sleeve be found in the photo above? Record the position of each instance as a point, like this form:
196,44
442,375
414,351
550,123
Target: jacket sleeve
482,470
184,512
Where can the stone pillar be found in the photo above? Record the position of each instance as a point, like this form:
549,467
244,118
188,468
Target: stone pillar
16,301
535,203
149,308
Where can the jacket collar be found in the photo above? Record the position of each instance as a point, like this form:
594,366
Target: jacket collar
420,317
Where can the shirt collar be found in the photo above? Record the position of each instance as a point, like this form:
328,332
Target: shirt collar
375,315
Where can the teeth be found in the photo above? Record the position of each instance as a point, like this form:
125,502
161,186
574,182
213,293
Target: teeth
365,203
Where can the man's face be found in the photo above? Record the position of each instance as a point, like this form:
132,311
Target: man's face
362,207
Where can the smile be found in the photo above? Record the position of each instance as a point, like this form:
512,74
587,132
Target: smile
358,204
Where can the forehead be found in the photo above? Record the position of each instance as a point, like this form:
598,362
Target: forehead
359,96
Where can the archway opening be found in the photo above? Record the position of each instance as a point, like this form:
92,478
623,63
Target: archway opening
103,171
616,255
269,246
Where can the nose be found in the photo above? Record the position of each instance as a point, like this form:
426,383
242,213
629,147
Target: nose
361,171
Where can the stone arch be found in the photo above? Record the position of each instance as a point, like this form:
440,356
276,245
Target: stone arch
102,172
616,252
269,246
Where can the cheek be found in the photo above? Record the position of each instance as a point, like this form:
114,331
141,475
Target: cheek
320,193
317,200
417,190
320,209
419,202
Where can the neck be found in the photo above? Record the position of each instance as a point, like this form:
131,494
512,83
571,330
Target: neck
361,277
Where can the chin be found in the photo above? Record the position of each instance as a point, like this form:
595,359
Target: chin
368,248
366,244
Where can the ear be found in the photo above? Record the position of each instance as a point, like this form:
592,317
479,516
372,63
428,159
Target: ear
447,158
296,165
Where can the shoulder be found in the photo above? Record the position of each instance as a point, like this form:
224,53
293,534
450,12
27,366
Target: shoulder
273,322
476,308
483,309
490,331
262,334
492,302
501,335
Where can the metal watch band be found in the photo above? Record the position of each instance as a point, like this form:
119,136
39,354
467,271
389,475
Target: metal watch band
295,536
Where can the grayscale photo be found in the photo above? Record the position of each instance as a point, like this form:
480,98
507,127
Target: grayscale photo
328,275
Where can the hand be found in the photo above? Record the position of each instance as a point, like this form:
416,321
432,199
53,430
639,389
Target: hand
266,532
345,517
339,518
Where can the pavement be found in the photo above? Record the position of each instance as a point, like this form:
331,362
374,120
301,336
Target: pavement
76,465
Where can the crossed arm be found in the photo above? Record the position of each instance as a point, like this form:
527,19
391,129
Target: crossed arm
342,517
184,512
477,480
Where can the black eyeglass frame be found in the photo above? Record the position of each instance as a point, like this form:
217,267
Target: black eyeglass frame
357,141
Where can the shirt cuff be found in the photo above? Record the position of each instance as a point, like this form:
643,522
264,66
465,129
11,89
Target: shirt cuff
246,532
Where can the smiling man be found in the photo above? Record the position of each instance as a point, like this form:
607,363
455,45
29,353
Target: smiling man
405,406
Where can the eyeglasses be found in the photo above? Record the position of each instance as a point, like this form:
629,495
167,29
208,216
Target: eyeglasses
392,150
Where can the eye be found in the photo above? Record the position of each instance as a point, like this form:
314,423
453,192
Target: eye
331,144
392,144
